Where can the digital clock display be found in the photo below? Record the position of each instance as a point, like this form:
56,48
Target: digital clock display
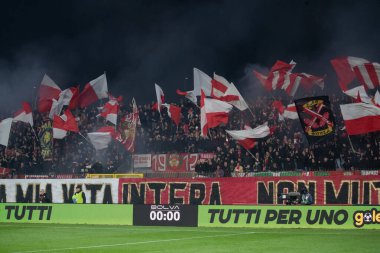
165,215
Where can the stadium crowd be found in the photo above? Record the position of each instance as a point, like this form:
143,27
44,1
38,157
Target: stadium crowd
285,150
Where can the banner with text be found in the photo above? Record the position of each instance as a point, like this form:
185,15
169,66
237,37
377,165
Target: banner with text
347,217
142,161
103,191
178,162
67,214
332,190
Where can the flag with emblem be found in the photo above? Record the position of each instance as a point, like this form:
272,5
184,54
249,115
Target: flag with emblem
316,118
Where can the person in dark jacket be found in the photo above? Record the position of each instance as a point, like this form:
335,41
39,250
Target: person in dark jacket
43,197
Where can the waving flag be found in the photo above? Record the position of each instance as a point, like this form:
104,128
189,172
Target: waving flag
102,137
344,68
174,113
190,95
5,130
361,118
368,74
316,118
160,97
202,82
281,78
47,91
247,138
110,111
216,112
25,114
359,94
93,91
127,129
64,123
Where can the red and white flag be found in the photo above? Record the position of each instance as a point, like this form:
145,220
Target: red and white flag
359,94
229,93
368,74
376,99
118,99
5,130
361,118
247,138
190,95
110,111
308,81
290,112
280,77
102,138
216,112
344,68
70,97
25,114
160,97
219,86
202,82
47,91
204,126
127,128
93,91
233,97
64,123
263,80
174,112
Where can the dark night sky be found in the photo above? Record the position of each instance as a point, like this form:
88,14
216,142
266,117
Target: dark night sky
139,43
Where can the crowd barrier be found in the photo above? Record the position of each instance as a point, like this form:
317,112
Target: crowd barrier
334,217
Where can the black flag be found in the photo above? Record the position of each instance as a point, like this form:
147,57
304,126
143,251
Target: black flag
316,118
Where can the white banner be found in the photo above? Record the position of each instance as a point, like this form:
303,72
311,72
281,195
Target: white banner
59,190
142,161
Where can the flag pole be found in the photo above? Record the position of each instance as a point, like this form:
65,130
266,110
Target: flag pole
352,146
252,155
84,137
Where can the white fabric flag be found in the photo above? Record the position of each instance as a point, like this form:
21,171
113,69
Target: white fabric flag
5,130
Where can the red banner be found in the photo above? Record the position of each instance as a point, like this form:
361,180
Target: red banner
332,190
177,162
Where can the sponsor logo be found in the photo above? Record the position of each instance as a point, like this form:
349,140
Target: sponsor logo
362,218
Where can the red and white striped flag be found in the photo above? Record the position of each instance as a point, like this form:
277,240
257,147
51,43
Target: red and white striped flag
344,68
361,118
174,112
5,130
47,91
25,114
70,97
368,74
93,91
280,77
